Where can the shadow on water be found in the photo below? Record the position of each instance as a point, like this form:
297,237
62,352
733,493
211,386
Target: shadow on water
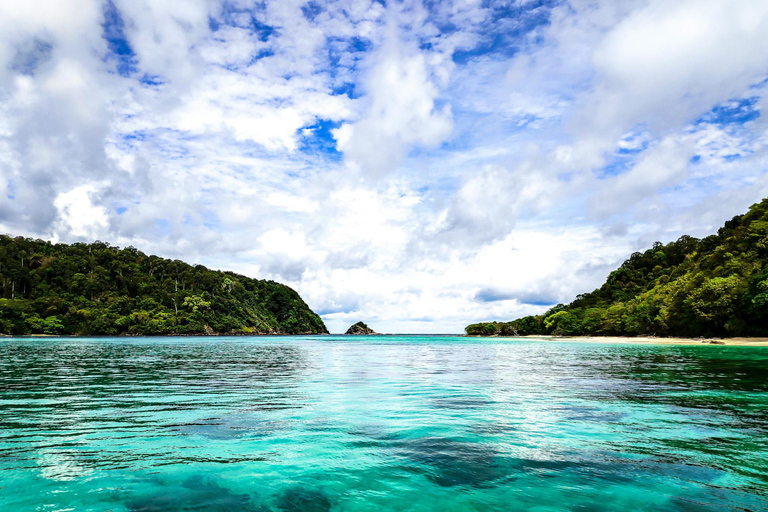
455,463
461,403
202,494
446,462
197,493
232,426
301,499
592,414
451,462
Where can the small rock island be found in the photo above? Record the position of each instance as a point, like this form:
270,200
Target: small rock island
360,329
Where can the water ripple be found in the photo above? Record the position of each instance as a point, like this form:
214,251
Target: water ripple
382,423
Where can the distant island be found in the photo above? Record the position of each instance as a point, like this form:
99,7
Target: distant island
716,286
96,289
360,329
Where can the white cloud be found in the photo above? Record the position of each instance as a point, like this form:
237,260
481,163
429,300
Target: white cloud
397,164
77,215
664,165
402,85
667,62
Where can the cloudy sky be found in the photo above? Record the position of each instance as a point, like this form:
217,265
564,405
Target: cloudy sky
415,165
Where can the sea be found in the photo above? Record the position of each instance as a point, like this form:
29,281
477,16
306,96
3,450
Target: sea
379,423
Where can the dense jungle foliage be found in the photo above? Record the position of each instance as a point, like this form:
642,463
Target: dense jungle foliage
97,289
716,286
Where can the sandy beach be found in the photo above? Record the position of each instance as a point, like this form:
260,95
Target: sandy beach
752,342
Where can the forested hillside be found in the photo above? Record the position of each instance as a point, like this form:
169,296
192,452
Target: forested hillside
716,286
97,289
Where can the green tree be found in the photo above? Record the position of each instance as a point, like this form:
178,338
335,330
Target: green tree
714,286
98,289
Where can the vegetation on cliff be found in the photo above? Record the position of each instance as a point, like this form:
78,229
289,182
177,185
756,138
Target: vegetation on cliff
360,328
716,286
97,289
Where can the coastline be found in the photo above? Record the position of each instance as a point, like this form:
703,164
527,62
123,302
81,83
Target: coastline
650,340
170,335
546,338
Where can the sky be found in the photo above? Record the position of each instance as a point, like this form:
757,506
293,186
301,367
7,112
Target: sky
416,165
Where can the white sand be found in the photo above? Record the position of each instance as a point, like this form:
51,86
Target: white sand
752,342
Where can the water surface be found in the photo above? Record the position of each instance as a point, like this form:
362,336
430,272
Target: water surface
380,423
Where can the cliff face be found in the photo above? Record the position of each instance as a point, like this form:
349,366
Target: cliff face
360,328
716,286
97,289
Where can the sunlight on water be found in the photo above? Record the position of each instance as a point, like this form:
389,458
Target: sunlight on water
380,423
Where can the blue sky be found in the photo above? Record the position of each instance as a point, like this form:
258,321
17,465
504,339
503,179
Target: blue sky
416,165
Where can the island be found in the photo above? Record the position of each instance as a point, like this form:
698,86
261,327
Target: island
360,328
97,289
716,286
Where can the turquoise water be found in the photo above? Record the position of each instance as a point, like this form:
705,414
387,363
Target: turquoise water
380,423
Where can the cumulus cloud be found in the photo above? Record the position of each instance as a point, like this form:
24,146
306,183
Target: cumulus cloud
419,165
664,165
663,63
77,215
402,86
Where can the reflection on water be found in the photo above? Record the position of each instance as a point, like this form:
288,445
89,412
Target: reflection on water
381,423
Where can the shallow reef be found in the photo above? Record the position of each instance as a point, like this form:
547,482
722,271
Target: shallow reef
197,493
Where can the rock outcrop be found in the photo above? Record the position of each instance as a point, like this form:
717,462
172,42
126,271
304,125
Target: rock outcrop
360,328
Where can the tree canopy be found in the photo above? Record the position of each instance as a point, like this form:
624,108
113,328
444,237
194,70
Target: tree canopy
98,289
715,286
